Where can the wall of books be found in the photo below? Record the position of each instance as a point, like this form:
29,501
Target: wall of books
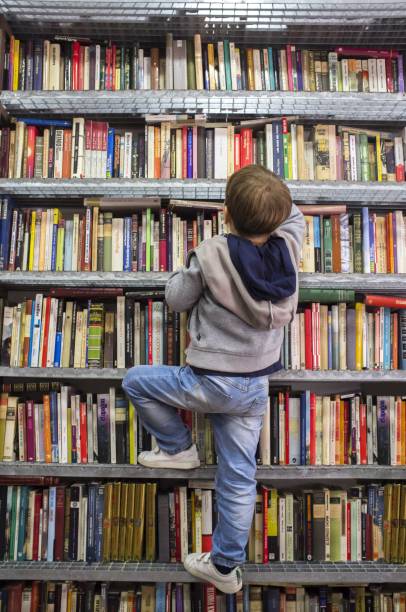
118,131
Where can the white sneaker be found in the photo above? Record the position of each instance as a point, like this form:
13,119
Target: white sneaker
157,458
201,566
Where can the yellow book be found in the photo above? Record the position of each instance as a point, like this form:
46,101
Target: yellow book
150,520
387,521
132,433
359,312
32,241
16,63
402,526
123,522
250,69
108,498
115,520
210,61
139,519
130,522
378,158
272,523
148,598
60,241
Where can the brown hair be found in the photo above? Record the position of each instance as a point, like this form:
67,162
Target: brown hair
257,200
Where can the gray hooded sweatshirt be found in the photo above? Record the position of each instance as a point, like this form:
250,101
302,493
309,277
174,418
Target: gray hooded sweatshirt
229,330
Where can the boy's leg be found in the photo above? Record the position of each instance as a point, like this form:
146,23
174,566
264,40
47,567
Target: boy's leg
157,392
236,440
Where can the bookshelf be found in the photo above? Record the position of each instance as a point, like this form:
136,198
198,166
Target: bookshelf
316,23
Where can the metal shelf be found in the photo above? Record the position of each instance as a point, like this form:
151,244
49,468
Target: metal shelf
317,21
199,189
323,105
295,573
279,474
382,283
283,376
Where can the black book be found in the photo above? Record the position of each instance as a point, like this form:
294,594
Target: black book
319,526
142,336
20,240
91,522
121,429
274,429
165,334
141,155
58,595
103,427
92,64
197,597
163,528
135,168
90,588
22,66
51,151
243,62
3,514
37,69
270,599
29,72
129,332
75,496
201,152
383,431
209,153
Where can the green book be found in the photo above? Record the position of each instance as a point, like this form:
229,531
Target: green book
326,296
191,68
357,242
148,242
227,65
14,500
260,149
285,141
328,245
107,246
364,157
22,523
95,336
335,526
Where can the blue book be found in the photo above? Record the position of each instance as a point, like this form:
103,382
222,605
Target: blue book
98,527
62,123
402,339
271,69
22,523
329,342
366,265
127,245
371,246
379,509
53,251
246,598
31,333
190,152
58,349
160,597
316,232
38,53
299,70
386,338
307,395
302,428
271,599
51,523
91,520
227,65
277,145
230,603
67,258
53,402
110,153
5,231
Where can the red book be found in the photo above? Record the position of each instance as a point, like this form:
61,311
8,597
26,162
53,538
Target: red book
237,152
312,429
385,300
15,596
265,524
209,598
287,458
308,339
368,538
47,301
30,436
59,523
346,431
81,68
32,132
36,555
83,433
348,531
363,433
35,596
75,65
289,66
246,147
184,152
177,525
389,74
150,332
113,67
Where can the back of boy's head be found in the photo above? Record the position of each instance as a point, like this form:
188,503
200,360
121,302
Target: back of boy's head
257,201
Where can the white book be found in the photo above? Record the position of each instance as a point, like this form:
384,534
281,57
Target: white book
97,68
58,154
289,527
15,337
295,342
64,596
373,75
54,66
353,157
140,83
222,70
207,512
198,61
48,237
27,596
381,75
86,68
220,153
113,446
265,437
117,244
169,61
269,146
78,148
345,75
120,331
45,64
257,69
52,332
122,153
332,145
75,243
36,336
179,64
400,241
326,430
147,73
78,340
128,140
233,66
10,429
283,70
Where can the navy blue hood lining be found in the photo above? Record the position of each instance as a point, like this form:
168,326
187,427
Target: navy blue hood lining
267,271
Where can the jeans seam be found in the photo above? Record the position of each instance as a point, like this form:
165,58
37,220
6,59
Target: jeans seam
224,562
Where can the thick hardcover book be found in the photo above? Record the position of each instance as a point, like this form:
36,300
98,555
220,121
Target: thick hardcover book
103,427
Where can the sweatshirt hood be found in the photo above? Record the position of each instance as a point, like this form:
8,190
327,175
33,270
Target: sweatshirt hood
267,270
247,288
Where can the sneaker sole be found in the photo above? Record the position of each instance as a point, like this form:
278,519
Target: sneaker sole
221,586
185,465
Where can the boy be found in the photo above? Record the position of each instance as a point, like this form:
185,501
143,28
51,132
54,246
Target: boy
240,289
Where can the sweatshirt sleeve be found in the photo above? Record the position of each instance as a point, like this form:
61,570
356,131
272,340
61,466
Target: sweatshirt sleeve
184,287
292,230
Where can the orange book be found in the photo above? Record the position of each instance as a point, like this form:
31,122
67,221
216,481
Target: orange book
341,433
47,429
157,153
67,154
250,70
395,341
237,152
389,244
194,226
154,68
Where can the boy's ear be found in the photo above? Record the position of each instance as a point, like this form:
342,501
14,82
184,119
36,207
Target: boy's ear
226,215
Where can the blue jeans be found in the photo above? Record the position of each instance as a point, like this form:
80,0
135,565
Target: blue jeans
235,406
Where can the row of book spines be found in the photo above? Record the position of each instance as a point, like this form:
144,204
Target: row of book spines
342,338
198,151
97,241
333,430
359,242
188,64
